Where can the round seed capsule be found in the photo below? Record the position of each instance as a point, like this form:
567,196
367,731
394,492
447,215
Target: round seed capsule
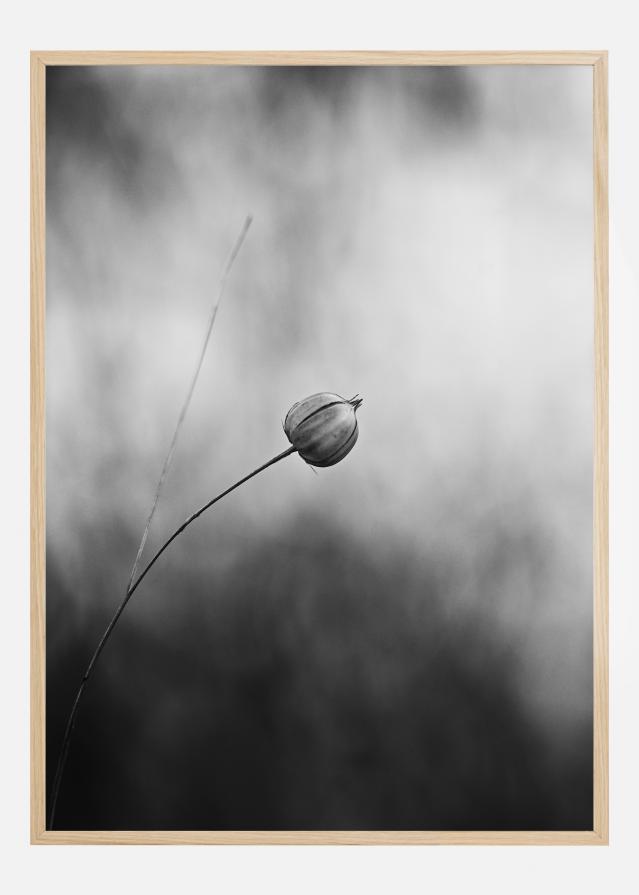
323,427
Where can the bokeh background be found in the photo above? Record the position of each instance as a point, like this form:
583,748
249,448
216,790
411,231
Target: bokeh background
402,641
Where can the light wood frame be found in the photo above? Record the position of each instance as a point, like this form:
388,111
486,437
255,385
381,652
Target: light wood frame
598,60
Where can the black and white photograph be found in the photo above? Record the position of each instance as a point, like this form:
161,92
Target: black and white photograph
319,447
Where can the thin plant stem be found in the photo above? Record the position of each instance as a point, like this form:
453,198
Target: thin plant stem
163,475
187,401
133,586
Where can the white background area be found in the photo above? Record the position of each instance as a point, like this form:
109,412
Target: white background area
488,25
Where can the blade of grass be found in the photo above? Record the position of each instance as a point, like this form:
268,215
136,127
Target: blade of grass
187,401
133,582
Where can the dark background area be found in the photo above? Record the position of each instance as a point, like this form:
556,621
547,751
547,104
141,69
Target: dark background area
402,641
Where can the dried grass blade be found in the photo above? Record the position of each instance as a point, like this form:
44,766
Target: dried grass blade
187,401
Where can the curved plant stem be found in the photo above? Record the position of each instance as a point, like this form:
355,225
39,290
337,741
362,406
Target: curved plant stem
133,586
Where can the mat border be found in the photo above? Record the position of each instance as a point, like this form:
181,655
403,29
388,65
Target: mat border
598,60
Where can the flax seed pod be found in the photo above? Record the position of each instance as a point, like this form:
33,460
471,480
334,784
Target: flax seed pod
323,427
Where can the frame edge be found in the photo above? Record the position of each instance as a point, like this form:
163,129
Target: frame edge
601,473
37,459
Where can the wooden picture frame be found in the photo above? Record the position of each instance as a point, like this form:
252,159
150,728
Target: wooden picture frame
597,61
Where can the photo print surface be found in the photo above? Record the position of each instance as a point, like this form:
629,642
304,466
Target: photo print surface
401,640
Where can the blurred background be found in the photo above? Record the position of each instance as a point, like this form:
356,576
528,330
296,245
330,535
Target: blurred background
402,641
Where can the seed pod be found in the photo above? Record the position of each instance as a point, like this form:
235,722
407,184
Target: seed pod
323,427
